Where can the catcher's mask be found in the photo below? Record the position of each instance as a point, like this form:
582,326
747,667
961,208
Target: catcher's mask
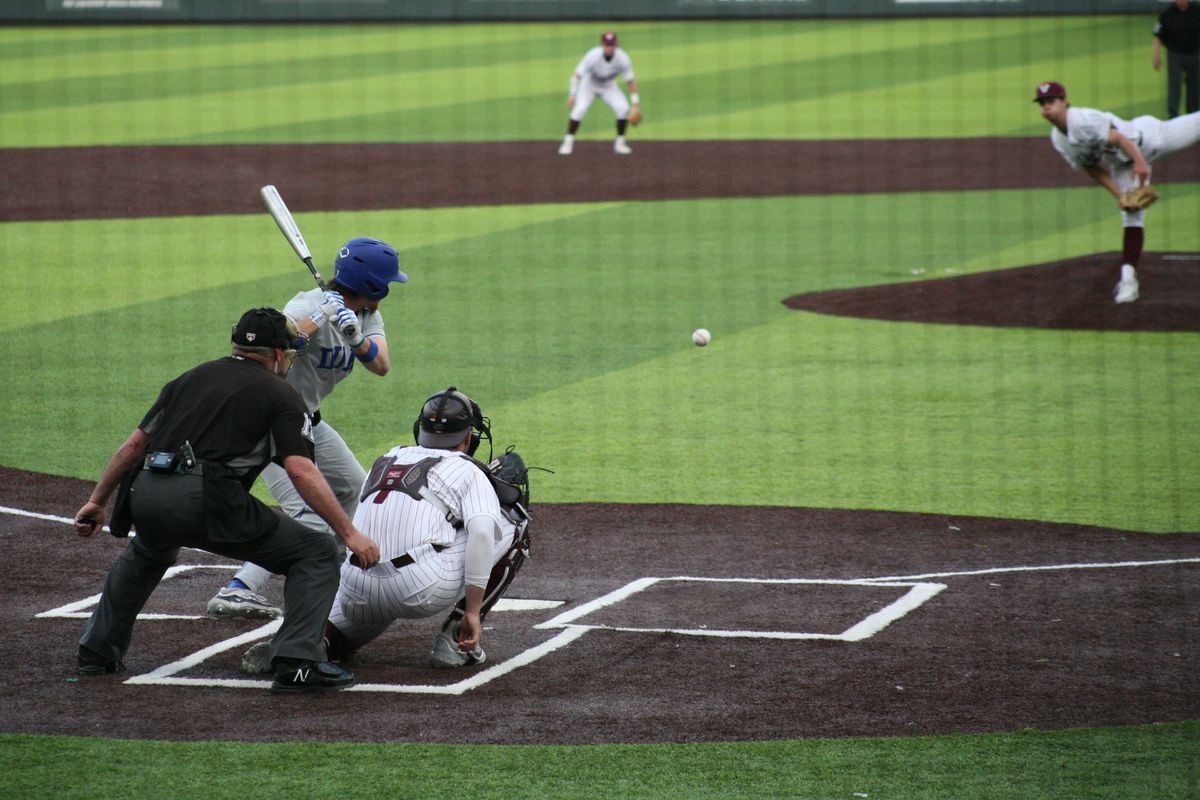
446,416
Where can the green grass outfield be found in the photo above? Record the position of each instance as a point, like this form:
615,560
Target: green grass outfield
581,352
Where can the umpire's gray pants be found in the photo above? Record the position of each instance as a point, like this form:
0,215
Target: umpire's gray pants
343,474
165,514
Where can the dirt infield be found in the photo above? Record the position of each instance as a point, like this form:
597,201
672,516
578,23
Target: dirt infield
1032,630
765,623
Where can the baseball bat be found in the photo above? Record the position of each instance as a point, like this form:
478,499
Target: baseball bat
291,231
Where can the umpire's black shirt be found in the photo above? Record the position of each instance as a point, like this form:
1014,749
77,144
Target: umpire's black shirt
239,416
1179,31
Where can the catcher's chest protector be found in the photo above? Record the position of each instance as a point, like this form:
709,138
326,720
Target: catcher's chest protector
388,476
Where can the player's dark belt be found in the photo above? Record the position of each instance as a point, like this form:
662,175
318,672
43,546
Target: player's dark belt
316,417
399,562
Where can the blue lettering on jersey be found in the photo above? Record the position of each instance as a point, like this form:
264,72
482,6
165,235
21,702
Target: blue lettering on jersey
336,358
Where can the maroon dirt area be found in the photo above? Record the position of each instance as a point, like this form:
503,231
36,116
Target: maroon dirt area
1074,294
101,182
1083,645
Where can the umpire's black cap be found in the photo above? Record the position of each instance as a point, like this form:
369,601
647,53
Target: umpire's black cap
264,327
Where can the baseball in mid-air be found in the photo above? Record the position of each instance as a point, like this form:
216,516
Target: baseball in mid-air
701,337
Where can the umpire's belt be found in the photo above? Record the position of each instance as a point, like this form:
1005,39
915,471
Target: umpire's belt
399,562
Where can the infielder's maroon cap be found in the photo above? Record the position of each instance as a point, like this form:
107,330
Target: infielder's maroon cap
1049,90
608,37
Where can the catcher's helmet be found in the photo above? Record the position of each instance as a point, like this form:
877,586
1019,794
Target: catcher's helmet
607,38
446,416
367,266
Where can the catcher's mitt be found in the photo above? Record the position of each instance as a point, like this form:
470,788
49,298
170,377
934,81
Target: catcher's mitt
635,115
509,468
1139,198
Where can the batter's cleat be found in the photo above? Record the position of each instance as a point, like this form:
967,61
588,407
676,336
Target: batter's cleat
1126,291
293,676
257,659
446,655
567,147
241,603
88,663
620,148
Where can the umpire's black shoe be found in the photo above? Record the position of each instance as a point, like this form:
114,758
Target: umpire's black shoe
91,664
293,676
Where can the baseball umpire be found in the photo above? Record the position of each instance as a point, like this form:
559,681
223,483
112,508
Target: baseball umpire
185,475
453,533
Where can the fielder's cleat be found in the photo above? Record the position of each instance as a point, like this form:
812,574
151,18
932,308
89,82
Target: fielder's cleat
1126,291
445,653
293,676
257,659
241,603
620,148
566,148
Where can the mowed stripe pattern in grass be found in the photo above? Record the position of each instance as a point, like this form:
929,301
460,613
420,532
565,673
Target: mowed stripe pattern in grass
812,79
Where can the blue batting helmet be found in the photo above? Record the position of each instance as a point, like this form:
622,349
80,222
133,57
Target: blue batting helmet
367,266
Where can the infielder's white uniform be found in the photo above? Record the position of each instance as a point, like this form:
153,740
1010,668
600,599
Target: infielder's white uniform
1086,144
369,601
326,361
597,78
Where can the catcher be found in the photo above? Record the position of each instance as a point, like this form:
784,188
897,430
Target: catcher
452,533
1116,154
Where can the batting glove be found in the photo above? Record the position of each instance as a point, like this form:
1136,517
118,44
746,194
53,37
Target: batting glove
347,323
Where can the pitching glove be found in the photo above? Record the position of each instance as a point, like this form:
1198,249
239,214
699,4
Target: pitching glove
1138,198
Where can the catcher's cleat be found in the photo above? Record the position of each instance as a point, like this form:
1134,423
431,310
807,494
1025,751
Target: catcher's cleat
257,659
242,603
620,148
293,677
445,653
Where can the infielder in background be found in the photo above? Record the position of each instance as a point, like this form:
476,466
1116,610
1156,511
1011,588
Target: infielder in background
596,77
363,270
452,534
1116,154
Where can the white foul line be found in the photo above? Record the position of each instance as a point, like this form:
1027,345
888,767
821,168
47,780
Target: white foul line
1046,568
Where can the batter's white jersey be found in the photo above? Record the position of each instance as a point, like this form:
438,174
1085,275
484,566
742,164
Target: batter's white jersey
328,358
369,601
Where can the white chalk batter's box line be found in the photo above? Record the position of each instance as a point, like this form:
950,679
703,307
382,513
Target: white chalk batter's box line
920,591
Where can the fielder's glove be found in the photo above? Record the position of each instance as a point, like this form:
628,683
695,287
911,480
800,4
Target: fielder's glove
635,114
1139,198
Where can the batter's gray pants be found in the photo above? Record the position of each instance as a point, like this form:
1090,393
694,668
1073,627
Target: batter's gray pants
344,475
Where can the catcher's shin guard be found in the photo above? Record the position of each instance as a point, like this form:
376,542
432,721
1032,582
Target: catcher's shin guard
502,574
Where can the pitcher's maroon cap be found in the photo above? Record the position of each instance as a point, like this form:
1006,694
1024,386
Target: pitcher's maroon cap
1049,90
